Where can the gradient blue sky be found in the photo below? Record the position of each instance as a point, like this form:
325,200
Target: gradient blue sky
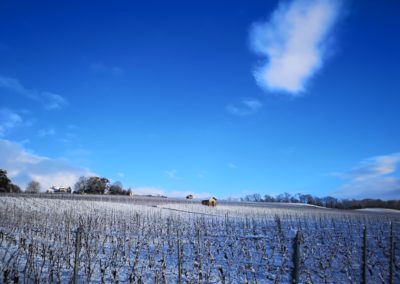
211,97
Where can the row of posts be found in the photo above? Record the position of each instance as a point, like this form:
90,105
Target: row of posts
296,257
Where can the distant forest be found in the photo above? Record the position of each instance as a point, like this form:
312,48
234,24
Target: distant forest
328,201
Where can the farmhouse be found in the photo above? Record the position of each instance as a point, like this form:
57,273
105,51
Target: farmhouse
210,202
190,196
60,189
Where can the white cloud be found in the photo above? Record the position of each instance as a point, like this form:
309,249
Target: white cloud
9,120
294,41
49,100
246,106
23,166
373,178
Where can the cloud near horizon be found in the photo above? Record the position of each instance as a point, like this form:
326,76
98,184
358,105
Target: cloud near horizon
376,177
294,42
149,190
49,100
23,166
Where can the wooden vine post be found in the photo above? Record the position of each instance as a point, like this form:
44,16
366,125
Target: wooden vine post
364,258
391,256
78,237
296,258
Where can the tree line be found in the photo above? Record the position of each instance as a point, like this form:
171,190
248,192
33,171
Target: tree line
102,185
84,185
328,201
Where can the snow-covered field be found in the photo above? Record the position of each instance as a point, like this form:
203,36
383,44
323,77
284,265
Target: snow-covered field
381,210
162,241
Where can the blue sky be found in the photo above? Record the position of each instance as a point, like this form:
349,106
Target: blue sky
208,97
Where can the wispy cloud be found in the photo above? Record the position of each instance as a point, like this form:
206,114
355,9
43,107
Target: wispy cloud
232,166
15,86
294,42
69,137
101,68
23,166
373,178
9,120
46,132
172,174
49,100
201,174
53,101
246,106
72,127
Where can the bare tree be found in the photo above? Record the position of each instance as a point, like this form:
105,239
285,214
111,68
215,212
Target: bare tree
33,187
283,197
269,198
80,185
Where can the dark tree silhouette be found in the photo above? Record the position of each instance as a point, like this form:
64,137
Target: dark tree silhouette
116,189
92,185
328,201
4,181
6,185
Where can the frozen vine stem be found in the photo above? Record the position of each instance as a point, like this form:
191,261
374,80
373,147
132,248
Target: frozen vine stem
296,257
179,257
391,255
78,237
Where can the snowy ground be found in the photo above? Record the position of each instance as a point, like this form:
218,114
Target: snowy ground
151,240
380,210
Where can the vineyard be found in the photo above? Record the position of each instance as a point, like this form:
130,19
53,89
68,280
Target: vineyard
95,240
